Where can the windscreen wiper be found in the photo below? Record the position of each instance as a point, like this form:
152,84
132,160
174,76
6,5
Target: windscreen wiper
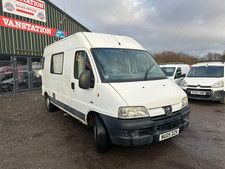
146,74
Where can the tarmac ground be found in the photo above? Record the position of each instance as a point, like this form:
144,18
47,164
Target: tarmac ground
31,137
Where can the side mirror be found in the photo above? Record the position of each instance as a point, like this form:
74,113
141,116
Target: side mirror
184,75
85,79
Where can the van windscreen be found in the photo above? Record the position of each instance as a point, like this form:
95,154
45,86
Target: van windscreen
169,71
122,65
206,71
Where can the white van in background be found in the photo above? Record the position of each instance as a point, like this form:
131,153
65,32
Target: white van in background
205,81
175,72
112,83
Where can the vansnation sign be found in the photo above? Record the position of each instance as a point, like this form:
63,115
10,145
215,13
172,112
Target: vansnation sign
30,27
34,9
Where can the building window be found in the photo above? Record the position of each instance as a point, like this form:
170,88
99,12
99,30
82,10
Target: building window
82,63
57,63
5,58
6,78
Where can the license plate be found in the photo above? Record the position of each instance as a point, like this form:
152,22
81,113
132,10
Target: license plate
198,92
169,134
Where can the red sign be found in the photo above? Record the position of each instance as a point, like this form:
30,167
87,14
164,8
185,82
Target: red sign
34,3
30,27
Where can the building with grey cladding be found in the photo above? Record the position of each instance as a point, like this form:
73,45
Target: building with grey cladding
23,37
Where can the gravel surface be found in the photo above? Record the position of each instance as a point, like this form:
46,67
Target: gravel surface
31,137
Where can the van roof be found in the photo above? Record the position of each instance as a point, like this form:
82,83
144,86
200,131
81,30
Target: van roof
99,40
213,63
174,65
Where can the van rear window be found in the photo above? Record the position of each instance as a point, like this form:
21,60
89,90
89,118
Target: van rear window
57,63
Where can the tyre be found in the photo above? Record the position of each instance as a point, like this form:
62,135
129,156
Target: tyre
101,135
49,106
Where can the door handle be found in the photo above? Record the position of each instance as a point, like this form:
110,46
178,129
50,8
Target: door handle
72,85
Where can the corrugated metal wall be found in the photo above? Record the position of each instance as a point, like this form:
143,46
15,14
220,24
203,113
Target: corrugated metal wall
18,42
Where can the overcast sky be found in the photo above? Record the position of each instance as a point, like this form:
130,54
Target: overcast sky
191,26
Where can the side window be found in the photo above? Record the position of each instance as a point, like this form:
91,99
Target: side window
82,63
178,73
57,63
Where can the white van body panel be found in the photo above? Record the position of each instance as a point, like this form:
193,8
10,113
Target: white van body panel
131,108
205,82
104,98
107,100
146,94
61,85
108,41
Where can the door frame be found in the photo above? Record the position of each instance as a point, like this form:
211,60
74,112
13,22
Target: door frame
16,84
29,69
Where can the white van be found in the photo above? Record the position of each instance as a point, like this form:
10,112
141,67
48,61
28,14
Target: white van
205,81
112,83
175,72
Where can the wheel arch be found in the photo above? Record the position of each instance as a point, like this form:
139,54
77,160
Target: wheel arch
90,118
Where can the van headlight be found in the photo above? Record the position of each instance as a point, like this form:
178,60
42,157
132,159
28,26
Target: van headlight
184,102
218,84
183,84
132,112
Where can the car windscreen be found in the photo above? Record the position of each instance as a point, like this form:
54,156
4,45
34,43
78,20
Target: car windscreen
206,71
169,71
122,65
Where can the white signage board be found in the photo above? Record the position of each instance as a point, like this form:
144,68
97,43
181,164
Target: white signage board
34,9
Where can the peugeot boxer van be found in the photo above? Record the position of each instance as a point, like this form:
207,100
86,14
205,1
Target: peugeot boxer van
205,81
175,72
112,83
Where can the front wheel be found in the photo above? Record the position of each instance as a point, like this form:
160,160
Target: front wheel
101,135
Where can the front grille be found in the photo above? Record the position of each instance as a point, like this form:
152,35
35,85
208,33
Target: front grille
206,90
199,86
163,117
170,125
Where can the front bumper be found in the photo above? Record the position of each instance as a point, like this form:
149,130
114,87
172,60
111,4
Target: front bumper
210,94
136,132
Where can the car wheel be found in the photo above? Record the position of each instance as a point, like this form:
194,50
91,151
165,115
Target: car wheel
49,106
101,135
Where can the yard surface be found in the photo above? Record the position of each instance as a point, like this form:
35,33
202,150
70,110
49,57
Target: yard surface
31,137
